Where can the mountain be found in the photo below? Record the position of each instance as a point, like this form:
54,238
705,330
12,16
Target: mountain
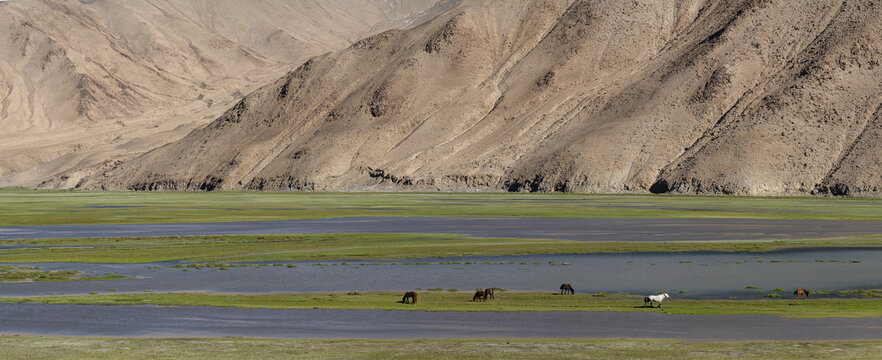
86,84
752,97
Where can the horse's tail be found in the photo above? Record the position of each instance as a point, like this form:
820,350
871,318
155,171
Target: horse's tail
414,297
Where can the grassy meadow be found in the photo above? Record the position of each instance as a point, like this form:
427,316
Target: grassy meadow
328,247
506,301
31,347
29,207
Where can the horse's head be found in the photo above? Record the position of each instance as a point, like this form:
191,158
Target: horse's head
665,295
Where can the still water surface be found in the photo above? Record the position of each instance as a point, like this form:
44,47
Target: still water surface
692,275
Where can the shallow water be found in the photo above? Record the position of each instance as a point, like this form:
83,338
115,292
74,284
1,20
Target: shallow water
591,229
149,321
687,275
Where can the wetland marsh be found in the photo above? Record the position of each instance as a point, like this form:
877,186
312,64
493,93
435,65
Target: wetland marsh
27,207
198,252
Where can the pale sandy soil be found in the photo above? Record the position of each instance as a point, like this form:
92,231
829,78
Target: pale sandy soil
696,96
85,84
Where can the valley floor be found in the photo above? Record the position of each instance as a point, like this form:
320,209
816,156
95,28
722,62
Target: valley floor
28,347
704,250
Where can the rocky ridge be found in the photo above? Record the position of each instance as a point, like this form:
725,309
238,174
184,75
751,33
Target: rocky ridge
751,97
87,84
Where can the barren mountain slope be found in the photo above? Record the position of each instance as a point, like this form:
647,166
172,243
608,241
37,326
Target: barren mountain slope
744,97
87,82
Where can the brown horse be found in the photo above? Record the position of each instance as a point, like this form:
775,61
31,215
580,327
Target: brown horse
488,293
480,295
567,289
803,293
410,297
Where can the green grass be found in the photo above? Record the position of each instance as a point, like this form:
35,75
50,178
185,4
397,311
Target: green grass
461,301
29,347
13,274
27,207
327,247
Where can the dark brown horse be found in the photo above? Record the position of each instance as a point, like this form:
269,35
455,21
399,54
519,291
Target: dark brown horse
410,297
567,289
480,295
803,293
488,293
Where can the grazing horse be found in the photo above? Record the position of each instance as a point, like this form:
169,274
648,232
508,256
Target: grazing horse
567,289
655,298
488,293
801,293
410,297
480,295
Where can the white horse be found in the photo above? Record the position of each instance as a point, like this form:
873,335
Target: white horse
655,298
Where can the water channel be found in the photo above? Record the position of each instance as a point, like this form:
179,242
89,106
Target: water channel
688,275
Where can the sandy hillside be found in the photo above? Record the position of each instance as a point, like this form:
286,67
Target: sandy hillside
749,97
96,81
